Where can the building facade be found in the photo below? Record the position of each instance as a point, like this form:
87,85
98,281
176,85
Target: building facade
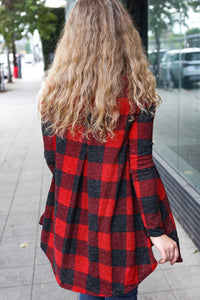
69,6
174,58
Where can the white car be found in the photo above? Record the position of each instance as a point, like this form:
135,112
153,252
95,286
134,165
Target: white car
180,66
28,58
4,64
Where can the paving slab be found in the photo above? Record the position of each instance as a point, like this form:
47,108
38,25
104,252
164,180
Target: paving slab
16,293
188,294
41,258
12,230
17,276
22,218
155,282
169,295
13,243
2,223
52,291
17,258
186,277
43,273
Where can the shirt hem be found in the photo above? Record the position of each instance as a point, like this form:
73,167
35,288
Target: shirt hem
77,289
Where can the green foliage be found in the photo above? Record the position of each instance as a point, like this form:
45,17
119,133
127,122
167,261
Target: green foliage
37,16
18,17
174,36
195,251
175,41
195,4
10,26
164,13
49,46
192,31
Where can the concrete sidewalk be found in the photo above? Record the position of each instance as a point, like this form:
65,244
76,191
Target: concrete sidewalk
25,273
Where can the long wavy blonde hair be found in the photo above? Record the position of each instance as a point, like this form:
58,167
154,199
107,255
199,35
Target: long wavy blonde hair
99,46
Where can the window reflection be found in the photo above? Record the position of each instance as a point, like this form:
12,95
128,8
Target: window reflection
174,59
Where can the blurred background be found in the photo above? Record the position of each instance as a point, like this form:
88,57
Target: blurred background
29,31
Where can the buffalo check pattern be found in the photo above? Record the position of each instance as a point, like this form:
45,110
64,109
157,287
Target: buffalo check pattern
104,201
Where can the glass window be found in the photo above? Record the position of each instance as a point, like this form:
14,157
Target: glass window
165,58
192,56
174,30
174,57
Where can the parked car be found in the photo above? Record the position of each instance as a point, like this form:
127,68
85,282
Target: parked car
4,63
180,66
28,58
1,73
153,60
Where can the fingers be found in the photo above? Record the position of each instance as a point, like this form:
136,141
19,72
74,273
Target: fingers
162,261
175,257
167,247
171,254
165,257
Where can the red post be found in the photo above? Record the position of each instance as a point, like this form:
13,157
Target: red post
15,73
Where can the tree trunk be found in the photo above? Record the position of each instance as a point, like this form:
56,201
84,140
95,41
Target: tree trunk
9,68
14,53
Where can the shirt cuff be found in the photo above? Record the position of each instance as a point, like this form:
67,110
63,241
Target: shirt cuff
154,232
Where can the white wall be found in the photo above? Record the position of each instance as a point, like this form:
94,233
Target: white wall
69,6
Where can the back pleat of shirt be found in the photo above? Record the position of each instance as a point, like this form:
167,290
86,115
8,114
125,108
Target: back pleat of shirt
97,213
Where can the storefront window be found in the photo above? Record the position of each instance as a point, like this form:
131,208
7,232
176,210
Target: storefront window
174,59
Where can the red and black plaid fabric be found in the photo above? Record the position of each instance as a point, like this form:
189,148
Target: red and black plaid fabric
104,202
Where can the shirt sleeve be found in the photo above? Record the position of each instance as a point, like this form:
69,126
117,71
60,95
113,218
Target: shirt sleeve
143,173
49,143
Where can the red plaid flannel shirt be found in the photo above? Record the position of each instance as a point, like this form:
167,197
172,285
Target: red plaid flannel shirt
104,202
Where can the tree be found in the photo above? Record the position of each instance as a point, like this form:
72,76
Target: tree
18,17
37,16
11,29
192,31
176,41
192,37
161,15
195,5
49,46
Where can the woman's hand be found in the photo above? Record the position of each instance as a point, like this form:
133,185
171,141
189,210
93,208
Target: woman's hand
167,247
